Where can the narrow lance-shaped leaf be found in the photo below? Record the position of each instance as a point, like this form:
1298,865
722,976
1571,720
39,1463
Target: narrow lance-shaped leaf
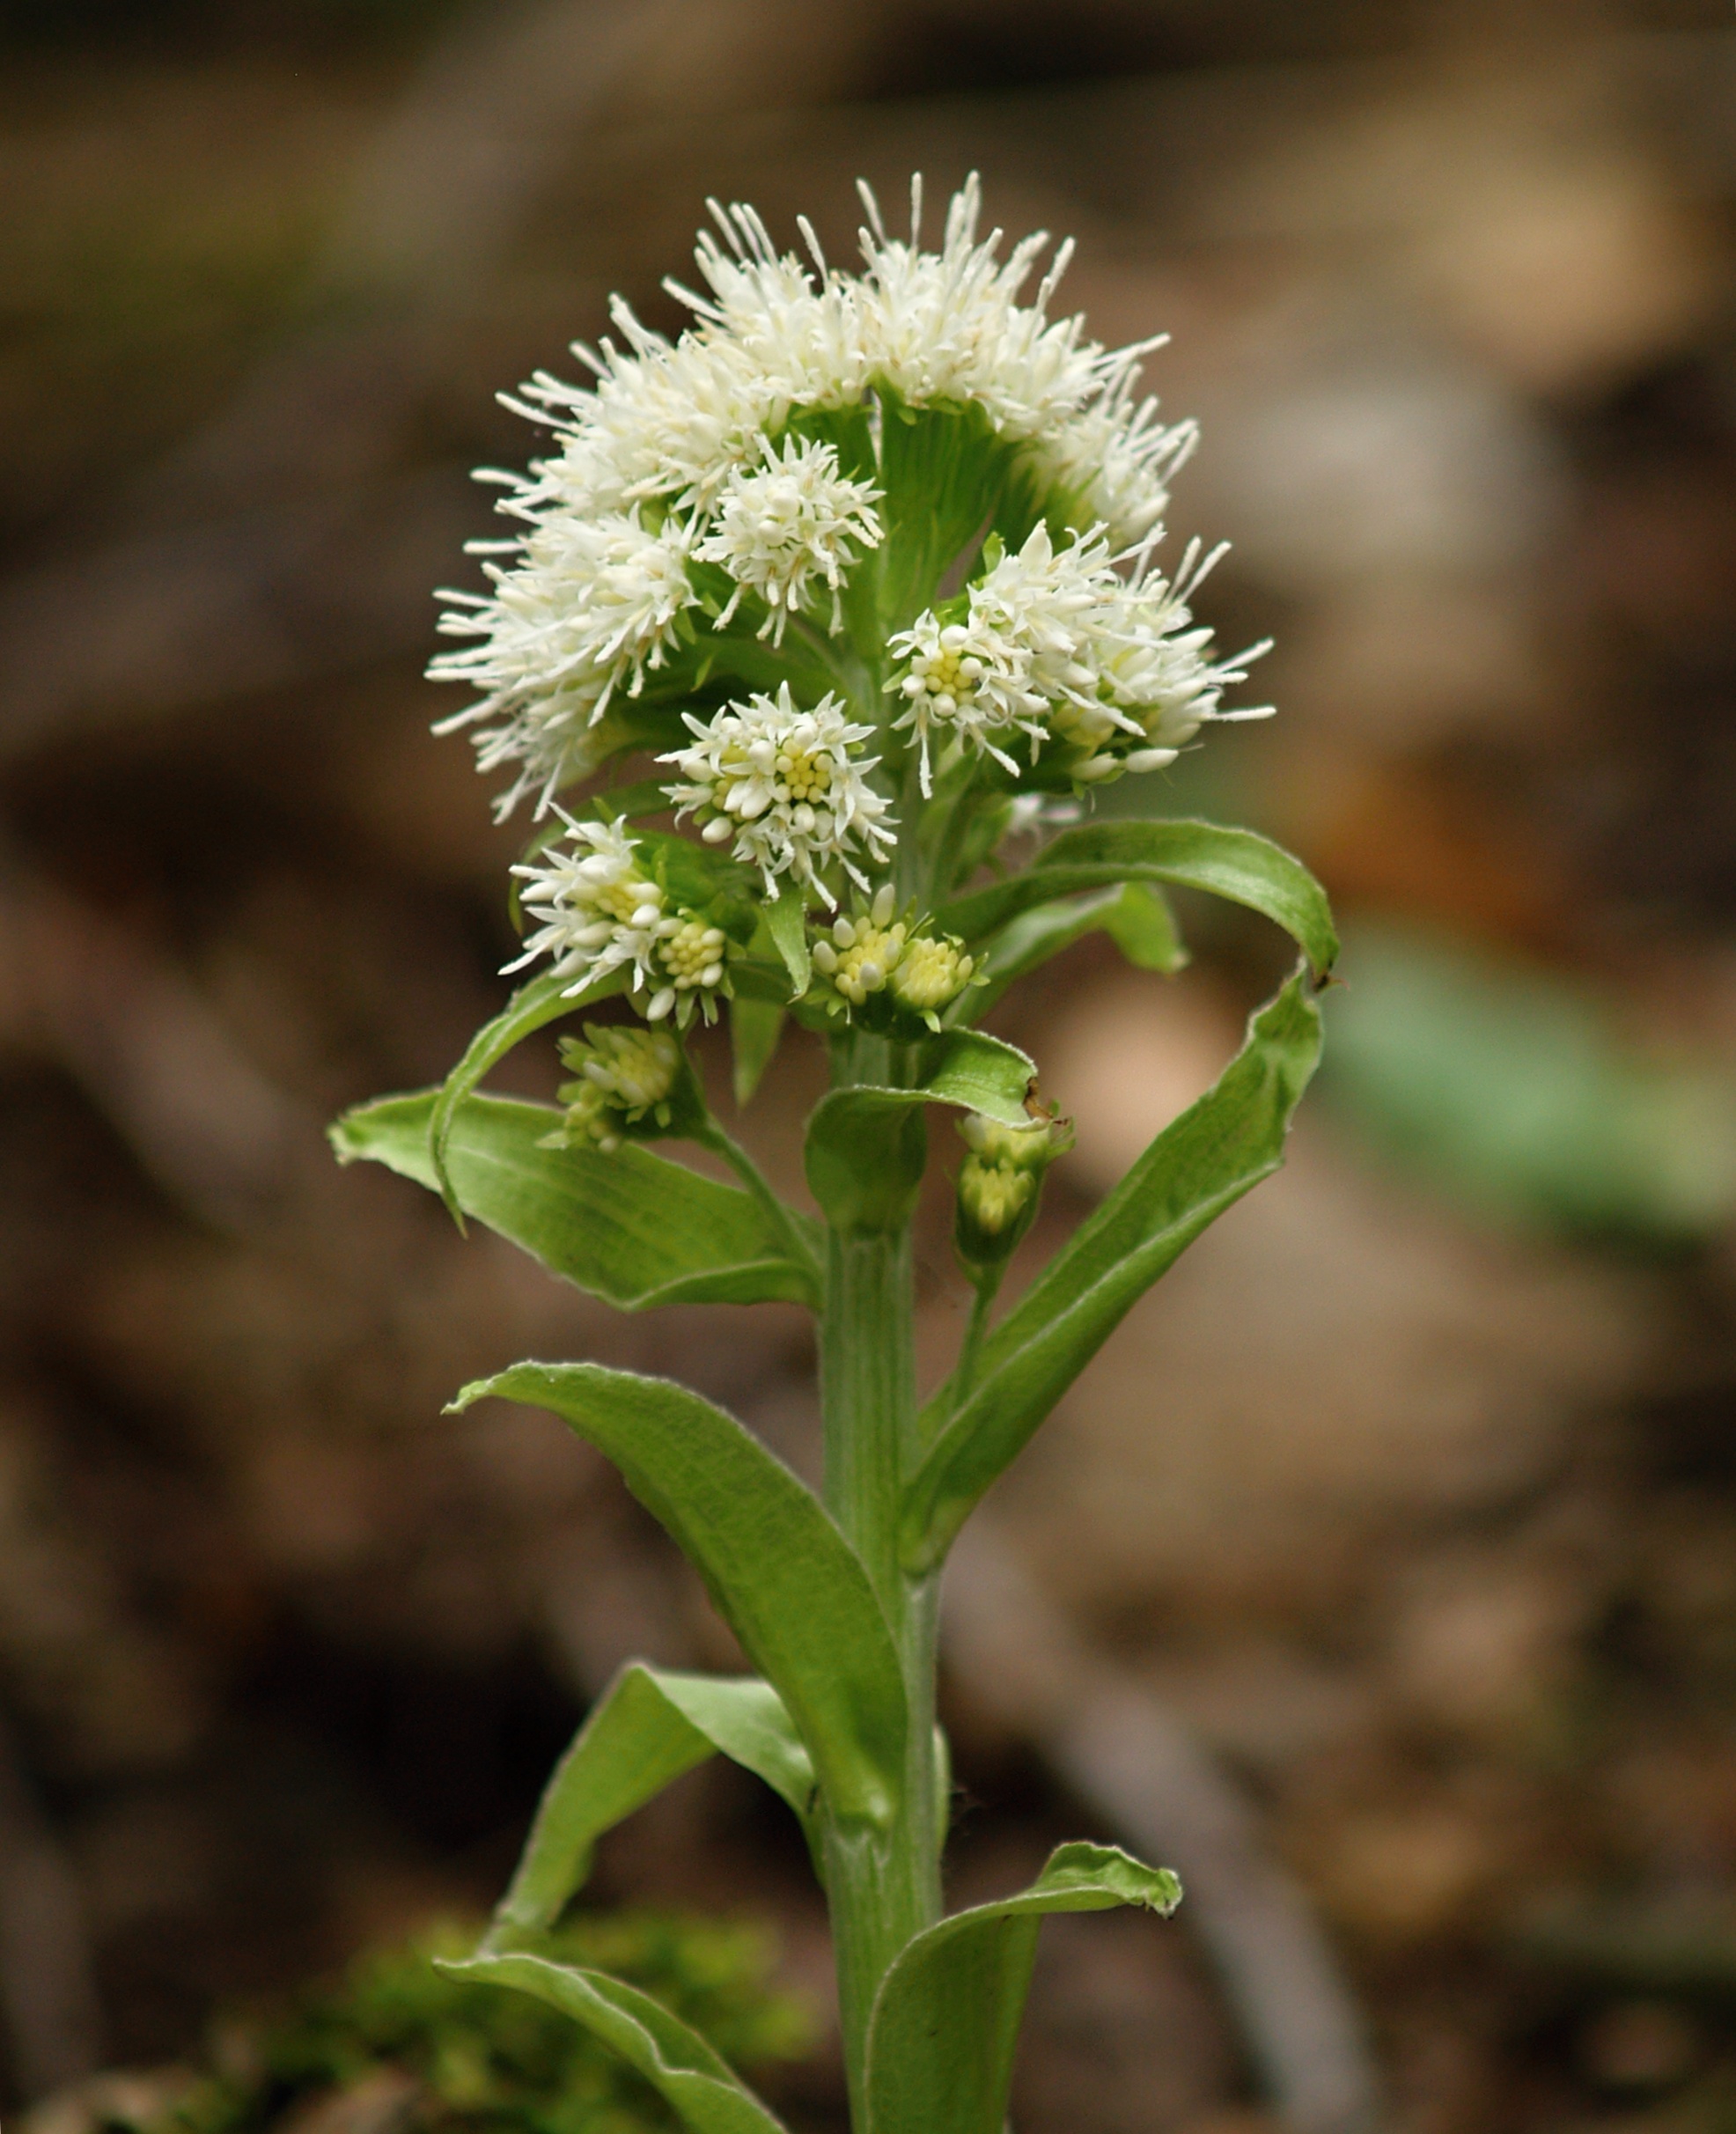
866,1147
692,2076
1132,914
648,1728
786,922
543,1001
755,1028
1236,864
782,1574
946,2022
628,1225
1196,1167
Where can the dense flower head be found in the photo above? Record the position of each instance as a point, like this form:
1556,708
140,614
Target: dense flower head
590,605
789,521
789,787
678,452
866,558
1067,644
601,913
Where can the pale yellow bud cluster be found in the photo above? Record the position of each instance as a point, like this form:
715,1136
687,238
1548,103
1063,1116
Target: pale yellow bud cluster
858,955
1001,1172
692,957
875,952
999,1182
995,1194
623,1074
930,973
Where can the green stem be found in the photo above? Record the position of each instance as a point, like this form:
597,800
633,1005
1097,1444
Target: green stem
783,1218
883,1885
970,1349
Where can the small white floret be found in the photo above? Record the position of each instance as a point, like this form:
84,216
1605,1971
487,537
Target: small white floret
789,784
787,522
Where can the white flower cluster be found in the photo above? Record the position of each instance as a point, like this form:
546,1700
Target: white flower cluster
783,784
778,526
590,605
599,915
1069,644
671,456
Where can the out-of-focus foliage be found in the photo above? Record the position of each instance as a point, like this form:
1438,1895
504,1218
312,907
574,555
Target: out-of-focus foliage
1509,1085
485,2062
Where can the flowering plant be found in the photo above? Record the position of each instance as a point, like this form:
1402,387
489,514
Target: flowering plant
865,563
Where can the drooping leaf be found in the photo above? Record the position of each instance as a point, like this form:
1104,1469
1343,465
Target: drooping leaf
698,2083
866,1147
1236,864
946,2022
647,1728
542,1001
787,924
1196,1167
1134,915
755,1027
780,1573
629,1226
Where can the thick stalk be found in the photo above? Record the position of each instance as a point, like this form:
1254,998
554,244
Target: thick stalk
882,1885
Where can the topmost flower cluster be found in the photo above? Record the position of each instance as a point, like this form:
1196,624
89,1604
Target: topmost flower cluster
852,545
679,461
679,423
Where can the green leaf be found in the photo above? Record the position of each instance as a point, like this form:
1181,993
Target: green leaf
943,470
1236,864
755,1027
1142,925
648,1727
1133,914
531,1008
629,803
946,2022
866,1147
1200,1165
780,1573
697,2082
786,919
629,1226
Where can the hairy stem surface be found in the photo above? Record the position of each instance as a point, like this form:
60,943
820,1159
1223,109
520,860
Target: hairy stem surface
882,1885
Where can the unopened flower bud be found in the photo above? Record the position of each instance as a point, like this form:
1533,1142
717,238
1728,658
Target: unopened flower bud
994,1195
930,973
626,1078
1000,1184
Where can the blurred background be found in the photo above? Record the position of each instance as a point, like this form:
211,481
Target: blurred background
1386,1559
